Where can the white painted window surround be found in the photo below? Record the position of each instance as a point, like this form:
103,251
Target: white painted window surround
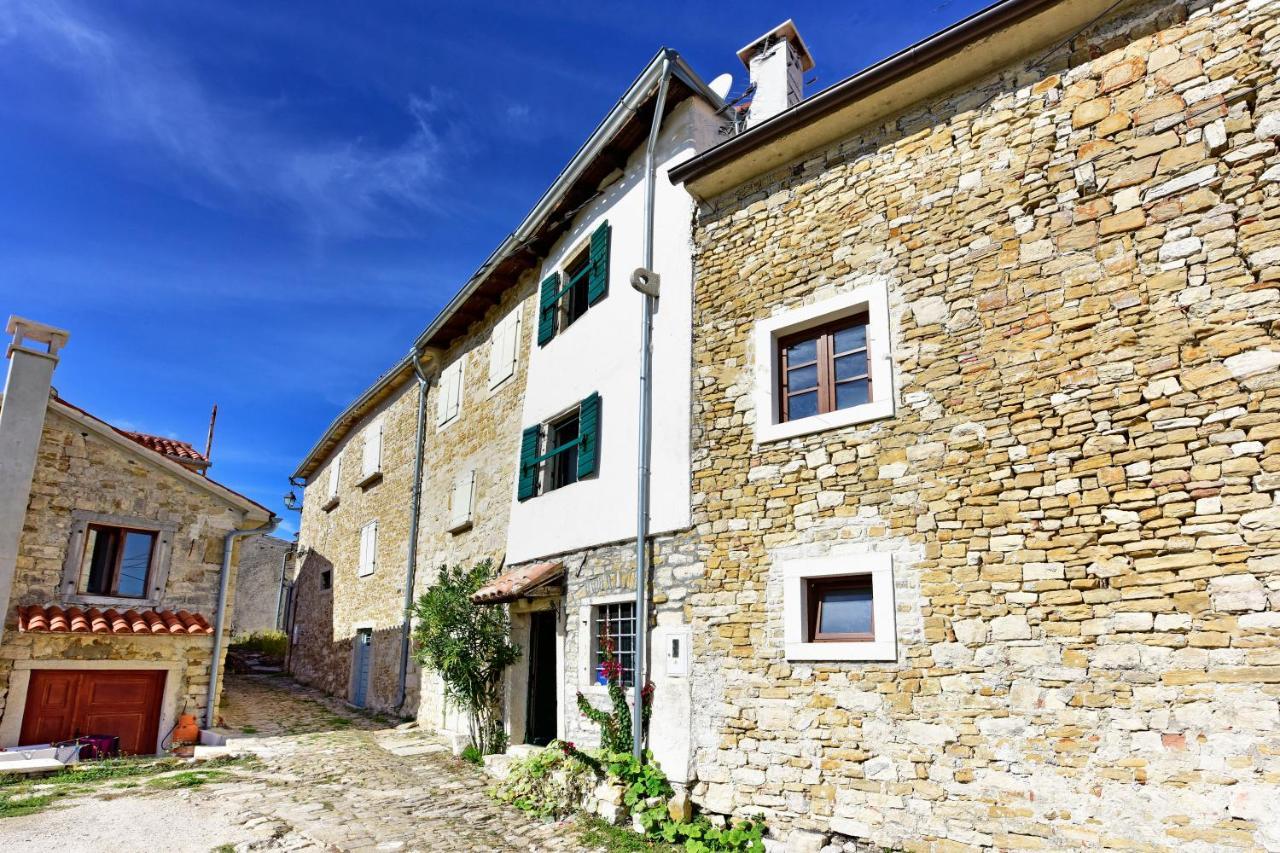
449,393
586,641
368,549
371,457
872,298
461,500
504,348
795,577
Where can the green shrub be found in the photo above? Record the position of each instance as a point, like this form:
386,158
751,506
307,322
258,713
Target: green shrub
551,783
272,644
468,645
472,754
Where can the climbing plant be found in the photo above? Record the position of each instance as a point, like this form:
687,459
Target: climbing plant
615,724
468,646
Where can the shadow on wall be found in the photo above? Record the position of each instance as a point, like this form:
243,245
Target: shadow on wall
324,645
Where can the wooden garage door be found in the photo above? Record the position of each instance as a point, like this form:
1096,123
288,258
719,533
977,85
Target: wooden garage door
67,703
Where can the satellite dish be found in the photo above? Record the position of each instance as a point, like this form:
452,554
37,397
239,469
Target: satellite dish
721,85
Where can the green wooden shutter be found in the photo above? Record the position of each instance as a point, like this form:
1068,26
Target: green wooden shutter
528,467
598,282
547,308
588,436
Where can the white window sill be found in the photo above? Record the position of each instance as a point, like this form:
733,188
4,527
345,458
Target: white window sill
873,411
600,691
369,479
367,574
116,602
876,650
330,504
460,527
443,425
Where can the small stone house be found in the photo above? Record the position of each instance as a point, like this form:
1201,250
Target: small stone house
262,572
986,449
112,567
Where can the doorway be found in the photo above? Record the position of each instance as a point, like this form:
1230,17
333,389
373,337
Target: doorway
541,716
360,667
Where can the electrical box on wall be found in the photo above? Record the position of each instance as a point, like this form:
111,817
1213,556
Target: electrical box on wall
677,652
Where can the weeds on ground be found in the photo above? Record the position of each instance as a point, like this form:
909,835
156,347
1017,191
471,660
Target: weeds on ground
21,795
248,730
597,834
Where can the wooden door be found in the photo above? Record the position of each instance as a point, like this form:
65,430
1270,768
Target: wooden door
67,703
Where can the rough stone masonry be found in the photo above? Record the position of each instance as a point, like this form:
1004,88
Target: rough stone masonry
1080,481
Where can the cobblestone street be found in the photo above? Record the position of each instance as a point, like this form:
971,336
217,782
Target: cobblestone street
326,778
335,779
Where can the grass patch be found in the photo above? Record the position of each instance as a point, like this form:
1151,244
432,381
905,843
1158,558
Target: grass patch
271,644
338,722
248,730
186,779
15,804
596,834
98,771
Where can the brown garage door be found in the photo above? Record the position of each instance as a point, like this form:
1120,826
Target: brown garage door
67,703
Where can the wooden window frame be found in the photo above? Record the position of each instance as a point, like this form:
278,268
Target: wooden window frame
825,360
817,588
123,531
552,479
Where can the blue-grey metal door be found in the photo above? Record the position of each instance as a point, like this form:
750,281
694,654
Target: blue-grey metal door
360,666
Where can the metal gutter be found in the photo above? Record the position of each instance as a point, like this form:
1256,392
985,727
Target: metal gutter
224,582
902,64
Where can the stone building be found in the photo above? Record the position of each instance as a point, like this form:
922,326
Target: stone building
263,570
112,558
987,440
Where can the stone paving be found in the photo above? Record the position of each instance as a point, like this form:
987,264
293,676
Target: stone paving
333,779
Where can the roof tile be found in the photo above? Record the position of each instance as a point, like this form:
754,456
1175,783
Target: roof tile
515,583
52,619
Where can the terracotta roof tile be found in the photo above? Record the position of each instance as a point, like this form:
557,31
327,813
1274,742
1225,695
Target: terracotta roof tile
74,620
171,447
515,583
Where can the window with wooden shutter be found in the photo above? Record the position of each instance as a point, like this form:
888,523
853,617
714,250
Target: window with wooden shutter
449,394
588,436
335,474
561,451
460,501
598,282
504,349
368,549
547,300
372,454
528,474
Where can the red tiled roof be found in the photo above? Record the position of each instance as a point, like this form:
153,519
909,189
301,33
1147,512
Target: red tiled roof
517,582
73,620
171,447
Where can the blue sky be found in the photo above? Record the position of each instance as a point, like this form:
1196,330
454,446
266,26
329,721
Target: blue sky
261,204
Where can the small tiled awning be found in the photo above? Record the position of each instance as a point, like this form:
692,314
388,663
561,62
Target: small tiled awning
73,620
517,582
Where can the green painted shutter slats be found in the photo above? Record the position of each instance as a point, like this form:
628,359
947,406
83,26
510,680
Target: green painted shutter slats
588,436
547,308
528,485
598,283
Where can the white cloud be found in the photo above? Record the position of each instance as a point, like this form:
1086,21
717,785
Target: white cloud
220,152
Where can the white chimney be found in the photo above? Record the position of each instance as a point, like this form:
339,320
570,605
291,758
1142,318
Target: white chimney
776,62
32,357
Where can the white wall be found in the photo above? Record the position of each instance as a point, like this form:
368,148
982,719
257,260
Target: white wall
601,352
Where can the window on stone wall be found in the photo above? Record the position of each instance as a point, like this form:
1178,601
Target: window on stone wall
116,561
615,623
326,579
824,366
839,608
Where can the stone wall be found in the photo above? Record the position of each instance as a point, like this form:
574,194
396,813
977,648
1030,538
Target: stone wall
258,584
484,437
1079,485
79,470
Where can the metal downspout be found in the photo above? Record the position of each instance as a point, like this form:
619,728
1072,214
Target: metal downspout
224,582
410,572
645,435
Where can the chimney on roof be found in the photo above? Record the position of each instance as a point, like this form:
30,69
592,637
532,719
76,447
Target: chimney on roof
32,356
776,62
